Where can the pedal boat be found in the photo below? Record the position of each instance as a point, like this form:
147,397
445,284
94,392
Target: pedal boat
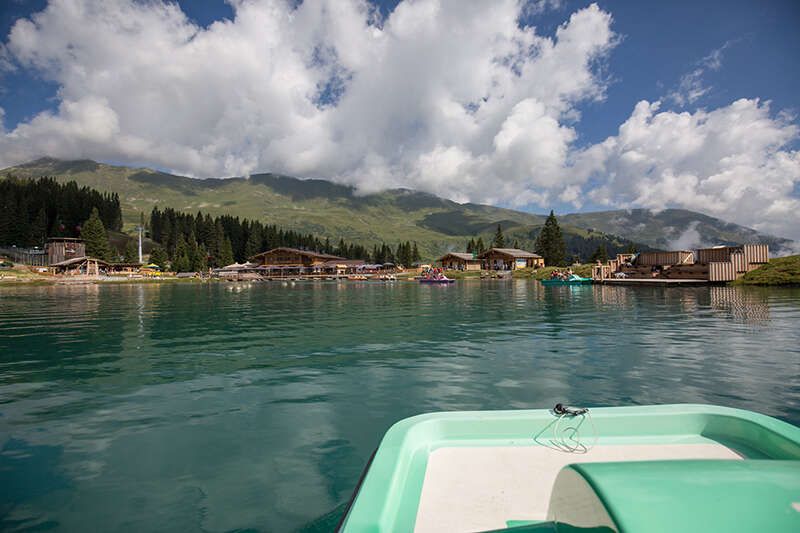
572,280
437,281
663,468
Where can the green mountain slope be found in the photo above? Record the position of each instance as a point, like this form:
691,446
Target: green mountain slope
336,211
672,228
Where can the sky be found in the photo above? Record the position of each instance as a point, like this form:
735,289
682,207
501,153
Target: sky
534,105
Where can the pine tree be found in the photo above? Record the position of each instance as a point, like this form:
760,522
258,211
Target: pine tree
180,260
38,230
158,256
415,256
131,251
226,252
480,247
253,244
499,238
201,260
94,234
218,245
20,229
7,205
193,252
601,254
550,243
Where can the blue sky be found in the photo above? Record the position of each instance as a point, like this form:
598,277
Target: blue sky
696,71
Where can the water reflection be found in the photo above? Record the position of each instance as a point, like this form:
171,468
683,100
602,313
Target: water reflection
749,305
185,407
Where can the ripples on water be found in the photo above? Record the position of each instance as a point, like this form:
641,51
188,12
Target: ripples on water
217,407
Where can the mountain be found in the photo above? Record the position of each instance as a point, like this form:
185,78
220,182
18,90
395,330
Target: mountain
337,211
673,228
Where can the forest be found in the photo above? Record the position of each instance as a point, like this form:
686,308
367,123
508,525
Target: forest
195,242
33,210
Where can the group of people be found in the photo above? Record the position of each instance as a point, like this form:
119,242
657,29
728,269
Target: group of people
434,273
563,275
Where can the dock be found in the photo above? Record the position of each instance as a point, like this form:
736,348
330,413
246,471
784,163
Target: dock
652,282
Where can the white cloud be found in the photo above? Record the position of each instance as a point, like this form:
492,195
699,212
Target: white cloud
732,162
447,96
692,86
324,89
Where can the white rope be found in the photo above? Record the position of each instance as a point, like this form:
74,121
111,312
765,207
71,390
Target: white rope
568,439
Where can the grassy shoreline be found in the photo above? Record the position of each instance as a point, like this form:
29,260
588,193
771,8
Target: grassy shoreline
779,272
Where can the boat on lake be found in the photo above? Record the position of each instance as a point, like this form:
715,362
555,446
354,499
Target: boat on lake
573,279
661,468
442,280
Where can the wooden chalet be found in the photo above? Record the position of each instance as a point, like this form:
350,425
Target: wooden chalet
510,259
292,257
80,266
60,249
291,262
460,261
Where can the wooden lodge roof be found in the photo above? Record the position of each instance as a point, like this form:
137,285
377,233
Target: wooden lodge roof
459,255
333,263
298,251
510,252
78,260
240,266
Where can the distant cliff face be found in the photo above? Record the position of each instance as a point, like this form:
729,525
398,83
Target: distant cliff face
336,211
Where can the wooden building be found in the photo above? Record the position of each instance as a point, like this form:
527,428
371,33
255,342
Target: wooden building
510,259
80,266
678,257
718,264
60,249
751,253
240,271
342,267
292,257
459,261
727,263
125,269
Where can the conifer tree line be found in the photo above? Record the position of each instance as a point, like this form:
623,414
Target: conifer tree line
196,242
476,247
405,254
33,210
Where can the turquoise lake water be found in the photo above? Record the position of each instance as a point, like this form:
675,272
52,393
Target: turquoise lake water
219,407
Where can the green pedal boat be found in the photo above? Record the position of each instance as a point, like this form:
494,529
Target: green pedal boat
572,280
665,468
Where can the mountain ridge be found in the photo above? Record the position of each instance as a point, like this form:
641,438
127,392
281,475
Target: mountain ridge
337,211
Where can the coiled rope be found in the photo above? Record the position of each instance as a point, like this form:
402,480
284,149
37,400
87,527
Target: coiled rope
566,430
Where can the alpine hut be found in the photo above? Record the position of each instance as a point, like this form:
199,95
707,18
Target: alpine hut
459,261
510,259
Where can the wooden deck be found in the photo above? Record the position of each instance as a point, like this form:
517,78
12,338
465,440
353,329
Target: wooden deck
655,282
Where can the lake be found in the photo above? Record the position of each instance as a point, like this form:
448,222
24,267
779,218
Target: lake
187,407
